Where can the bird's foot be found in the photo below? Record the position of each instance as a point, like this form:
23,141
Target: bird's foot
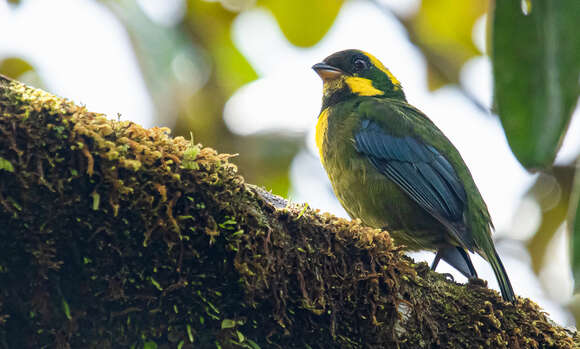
449,277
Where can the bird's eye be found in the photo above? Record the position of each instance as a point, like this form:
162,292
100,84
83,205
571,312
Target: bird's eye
359,64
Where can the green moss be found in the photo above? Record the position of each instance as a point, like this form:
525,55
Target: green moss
153,240
66,309
6,165
190,155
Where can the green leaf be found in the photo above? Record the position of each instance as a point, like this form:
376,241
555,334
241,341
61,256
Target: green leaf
536,65
15,67
304,22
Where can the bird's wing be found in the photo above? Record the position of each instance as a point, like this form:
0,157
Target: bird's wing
421,172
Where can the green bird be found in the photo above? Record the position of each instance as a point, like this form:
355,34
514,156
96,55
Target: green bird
392,168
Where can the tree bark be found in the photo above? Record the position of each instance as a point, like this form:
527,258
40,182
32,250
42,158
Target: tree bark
112,235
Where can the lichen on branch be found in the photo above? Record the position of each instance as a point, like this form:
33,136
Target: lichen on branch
112,235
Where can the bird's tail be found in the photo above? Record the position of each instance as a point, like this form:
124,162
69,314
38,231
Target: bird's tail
505,286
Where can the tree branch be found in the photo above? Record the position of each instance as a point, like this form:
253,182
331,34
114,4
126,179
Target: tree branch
115,236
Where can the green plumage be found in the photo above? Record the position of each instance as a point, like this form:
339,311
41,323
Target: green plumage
390,166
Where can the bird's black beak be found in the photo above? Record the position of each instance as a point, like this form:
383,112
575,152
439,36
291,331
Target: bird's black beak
327,72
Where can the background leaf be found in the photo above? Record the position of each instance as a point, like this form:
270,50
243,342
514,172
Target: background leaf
442,29
536,65
14,67
304,22
552,193
574,219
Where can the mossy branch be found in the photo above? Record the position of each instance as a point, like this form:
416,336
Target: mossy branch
112,235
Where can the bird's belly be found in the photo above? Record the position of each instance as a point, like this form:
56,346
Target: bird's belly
378,202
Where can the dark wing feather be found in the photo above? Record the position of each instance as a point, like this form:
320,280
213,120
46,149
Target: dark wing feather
421,171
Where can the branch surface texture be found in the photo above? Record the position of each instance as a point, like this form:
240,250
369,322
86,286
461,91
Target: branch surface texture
116,236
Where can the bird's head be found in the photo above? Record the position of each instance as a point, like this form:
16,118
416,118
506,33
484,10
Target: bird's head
355,73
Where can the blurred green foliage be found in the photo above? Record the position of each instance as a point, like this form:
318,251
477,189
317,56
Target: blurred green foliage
15,66
304,22
443,29
552,192
21,69
574,223
536,58
193,67
536,68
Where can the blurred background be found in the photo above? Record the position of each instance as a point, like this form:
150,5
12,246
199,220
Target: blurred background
236,73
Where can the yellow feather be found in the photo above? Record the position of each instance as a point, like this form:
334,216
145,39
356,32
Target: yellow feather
362,86
380,65
321,127
330,86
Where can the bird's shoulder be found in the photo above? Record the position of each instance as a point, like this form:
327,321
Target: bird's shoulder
397,118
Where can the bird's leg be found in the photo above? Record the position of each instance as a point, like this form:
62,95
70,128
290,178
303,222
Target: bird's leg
435,261
449,277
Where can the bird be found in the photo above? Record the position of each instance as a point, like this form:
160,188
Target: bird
391,167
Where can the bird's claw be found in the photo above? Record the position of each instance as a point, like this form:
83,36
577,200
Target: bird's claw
449,277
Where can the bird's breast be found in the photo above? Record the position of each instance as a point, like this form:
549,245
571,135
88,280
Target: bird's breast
321,129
